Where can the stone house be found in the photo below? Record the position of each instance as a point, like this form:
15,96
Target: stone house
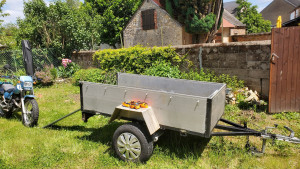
287,9
153,26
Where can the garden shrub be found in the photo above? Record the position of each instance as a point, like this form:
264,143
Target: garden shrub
94,75
68,70
157,61
209,76
20,72
163,69
46,76
135,59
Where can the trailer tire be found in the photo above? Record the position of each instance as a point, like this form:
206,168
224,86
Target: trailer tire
132,142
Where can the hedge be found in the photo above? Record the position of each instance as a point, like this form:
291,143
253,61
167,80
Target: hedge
135,59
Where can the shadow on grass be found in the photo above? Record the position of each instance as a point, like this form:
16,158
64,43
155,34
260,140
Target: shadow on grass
171,143
15,116
182,147
72,128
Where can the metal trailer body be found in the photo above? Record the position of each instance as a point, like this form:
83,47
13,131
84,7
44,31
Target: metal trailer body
187,106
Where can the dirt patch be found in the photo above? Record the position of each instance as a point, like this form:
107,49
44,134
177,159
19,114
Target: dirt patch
75,97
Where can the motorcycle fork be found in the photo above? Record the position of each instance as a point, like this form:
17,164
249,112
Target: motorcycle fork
22,102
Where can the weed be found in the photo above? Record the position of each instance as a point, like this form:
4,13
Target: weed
287,116
74,144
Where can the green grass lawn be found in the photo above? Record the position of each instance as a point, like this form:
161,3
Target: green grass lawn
75,144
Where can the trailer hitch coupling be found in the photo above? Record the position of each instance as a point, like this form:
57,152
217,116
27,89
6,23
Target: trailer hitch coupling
291,138
265,135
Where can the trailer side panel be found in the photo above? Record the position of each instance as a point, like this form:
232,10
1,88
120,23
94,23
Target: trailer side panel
171,109
181,86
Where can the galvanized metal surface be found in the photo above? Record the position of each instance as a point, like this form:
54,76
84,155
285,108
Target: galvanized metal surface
180,86
145,114
179,104
284,94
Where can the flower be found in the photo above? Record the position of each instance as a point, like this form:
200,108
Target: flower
65,62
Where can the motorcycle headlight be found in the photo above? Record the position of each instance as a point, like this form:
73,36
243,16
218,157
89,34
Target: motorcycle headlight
27,84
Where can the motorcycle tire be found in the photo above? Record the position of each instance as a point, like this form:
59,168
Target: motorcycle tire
31,116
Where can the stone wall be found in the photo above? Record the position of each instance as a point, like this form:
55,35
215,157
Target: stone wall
249,61
167,31
83,58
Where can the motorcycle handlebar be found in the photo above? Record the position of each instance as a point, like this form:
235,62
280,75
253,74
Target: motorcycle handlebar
9,77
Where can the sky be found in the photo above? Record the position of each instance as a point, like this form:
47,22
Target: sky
15,8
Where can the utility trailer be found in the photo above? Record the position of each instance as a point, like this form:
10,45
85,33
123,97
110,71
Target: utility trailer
186,106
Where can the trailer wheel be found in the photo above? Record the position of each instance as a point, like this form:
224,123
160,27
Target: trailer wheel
132,142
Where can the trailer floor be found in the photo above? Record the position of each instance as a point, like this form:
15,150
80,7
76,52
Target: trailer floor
74,144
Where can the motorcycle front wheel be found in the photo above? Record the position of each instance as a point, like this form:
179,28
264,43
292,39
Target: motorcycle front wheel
31,115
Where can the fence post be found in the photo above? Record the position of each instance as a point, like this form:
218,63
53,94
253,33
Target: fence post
14,53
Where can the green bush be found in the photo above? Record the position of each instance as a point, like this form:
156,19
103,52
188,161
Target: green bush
135,59
163,69
209,76
90,75
94,75
46,76
68,71
157,61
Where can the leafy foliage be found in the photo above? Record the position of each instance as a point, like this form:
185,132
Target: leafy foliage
94,75
68,71
8,36
2,2
289,116
254,21
163,69
47,76
89,75
209,76
157,61
199,17
135,59
60,25
113,16
204,25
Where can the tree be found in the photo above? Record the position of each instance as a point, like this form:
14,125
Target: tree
8,35
200,17
254,21
73,3
114,15
60,25
2,2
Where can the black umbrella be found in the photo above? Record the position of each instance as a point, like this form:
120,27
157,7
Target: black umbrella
27,58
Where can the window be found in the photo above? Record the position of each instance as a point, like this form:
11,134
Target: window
148,19
292,16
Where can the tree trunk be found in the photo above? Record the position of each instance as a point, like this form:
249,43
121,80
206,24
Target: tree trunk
218,15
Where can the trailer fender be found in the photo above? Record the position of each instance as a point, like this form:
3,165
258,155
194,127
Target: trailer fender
145,114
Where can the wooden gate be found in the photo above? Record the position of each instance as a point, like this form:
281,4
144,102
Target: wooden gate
284,95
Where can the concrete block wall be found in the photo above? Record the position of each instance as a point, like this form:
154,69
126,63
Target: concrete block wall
249,61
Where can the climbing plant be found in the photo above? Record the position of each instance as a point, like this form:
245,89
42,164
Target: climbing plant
198,16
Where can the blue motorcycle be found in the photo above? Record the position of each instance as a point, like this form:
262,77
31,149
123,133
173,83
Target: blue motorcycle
19,97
